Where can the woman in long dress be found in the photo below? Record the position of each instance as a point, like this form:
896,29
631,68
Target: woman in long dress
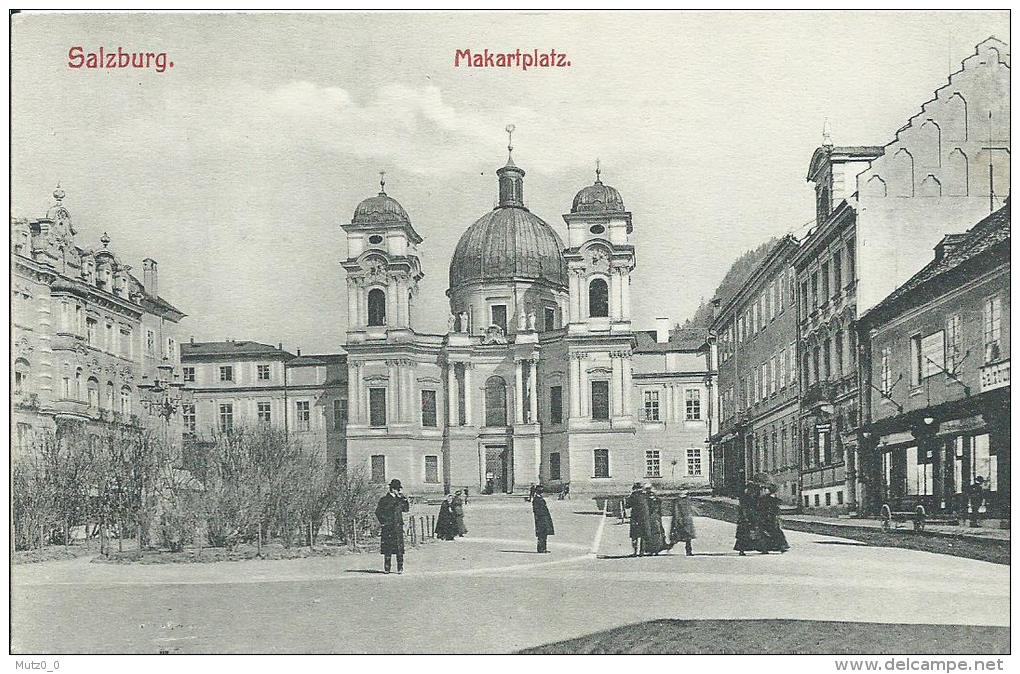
682,528
446,525
747,520
656,542
772,538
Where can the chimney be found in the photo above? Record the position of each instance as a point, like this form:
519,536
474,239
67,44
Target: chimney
280,347
192,339
948,243
662,329
299,352
150,277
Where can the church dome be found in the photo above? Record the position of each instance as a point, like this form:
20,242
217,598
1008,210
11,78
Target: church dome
381,209
598,198
508,242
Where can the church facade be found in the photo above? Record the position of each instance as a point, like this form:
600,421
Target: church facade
540,377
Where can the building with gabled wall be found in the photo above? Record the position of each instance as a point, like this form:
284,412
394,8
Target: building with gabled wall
88,336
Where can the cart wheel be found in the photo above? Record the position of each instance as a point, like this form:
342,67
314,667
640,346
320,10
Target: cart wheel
919,518
886,517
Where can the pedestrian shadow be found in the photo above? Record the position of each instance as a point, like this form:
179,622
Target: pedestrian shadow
588,512
522,552
854,543
364,571
616,557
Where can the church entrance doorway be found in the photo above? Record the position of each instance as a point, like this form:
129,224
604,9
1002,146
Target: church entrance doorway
497,469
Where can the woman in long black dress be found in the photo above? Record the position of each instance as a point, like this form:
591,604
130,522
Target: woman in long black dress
747,520
772,538
656,542
446,524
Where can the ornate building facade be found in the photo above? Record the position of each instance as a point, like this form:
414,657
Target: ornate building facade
540,378
91,342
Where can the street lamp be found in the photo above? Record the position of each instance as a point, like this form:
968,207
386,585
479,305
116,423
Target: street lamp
164,396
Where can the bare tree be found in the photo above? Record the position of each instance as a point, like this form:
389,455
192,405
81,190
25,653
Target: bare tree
354,508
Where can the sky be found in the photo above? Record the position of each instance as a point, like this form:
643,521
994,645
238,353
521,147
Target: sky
235,168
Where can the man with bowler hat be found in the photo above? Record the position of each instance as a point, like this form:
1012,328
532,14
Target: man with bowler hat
390,513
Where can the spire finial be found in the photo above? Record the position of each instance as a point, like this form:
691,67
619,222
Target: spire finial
105,240
382,182
826,133
58,193
598,172
510,139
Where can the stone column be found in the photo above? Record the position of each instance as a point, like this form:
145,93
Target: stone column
625,282
467,394
585,391
533,391
616,386
575,386
352,304
519,392
411,400
353,385
628,384
452,395
392,404
615,296
575,292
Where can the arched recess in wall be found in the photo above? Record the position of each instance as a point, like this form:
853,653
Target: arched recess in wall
954,118
875,187
956,174
930,187
598,298
495,401
929,144
376,307
901,182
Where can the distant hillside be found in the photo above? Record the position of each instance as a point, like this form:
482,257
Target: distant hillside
735,277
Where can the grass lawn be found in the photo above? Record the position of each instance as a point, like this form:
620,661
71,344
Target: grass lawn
757,637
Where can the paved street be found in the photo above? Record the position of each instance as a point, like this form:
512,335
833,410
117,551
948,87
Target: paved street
489,592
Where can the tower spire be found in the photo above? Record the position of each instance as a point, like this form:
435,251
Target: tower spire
510,143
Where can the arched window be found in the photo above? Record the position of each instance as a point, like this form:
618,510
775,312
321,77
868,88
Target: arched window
125,400
376,307
495,402
93,392
22,370
598,298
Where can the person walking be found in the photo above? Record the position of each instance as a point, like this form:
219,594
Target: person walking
656,541
747,520
458,513
446,524
543,520
976,497
390,513
682,527
772,538
637,503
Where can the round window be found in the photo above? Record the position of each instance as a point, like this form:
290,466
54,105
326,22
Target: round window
597,229
375,239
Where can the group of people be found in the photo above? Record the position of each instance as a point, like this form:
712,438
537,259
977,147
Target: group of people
647,535
758,524
450,523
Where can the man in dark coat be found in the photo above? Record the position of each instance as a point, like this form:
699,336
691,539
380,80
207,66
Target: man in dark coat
543,520
976,497
446,524
682,527
637,503
458,513
390,513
